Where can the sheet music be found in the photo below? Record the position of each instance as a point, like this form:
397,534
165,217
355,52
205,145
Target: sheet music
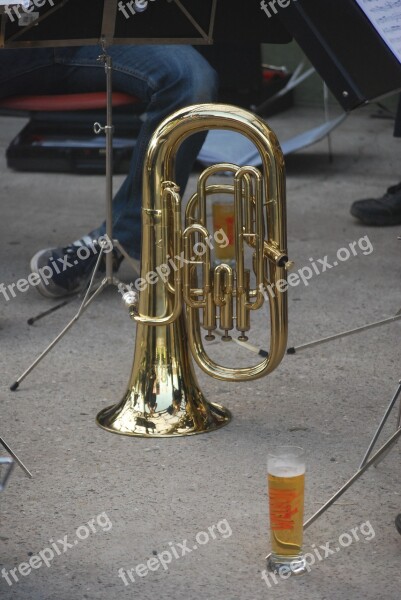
385,16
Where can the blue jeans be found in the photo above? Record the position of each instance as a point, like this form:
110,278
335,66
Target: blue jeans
165,78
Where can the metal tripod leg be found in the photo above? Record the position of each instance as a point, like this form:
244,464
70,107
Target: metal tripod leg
382,423
84,304
343,334
109,278
17,460
330,338
354,478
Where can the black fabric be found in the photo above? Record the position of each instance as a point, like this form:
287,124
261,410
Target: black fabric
238,65
397,125
245,21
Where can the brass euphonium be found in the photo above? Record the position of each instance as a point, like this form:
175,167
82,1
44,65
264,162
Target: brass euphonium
163,397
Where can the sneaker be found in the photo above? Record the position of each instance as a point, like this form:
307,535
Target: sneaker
380,211
65,271
398,523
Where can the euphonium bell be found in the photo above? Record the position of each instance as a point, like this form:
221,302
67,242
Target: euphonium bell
163,397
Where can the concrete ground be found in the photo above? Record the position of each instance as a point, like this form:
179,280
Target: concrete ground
146,497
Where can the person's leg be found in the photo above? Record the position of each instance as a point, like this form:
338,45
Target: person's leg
385,210
26,71
177,76
379,212
165,78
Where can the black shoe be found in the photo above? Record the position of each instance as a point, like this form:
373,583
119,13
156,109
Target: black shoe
380,211
398,523
66,271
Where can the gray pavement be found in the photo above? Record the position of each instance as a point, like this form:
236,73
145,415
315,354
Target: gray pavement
145,496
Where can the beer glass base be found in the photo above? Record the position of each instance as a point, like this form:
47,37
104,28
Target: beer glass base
296,564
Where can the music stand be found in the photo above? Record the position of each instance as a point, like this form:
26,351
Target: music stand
106,19
348,51
111,22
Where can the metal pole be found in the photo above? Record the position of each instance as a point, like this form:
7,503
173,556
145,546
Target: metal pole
330,338
382,423
15,457
109,164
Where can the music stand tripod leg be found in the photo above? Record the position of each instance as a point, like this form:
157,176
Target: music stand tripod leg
381,425
109,278
15,457
84,304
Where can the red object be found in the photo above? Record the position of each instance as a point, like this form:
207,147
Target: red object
65,102
272,74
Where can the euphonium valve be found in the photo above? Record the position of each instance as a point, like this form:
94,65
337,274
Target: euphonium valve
182,292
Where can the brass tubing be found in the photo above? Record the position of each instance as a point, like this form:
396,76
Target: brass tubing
256,236
223,297
243,322
169,189
274,203
190,260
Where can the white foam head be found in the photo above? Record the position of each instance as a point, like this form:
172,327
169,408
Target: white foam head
280,468
286,461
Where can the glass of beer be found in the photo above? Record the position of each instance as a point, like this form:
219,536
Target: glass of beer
224,219
286,481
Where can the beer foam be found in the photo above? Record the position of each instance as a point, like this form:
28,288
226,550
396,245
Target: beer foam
279,469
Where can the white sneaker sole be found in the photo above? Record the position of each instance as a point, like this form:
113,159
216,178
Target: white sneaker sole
42,287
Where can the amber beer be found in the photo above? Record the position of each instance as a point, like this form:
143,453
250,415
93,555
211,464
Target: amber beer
286,484
224,218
